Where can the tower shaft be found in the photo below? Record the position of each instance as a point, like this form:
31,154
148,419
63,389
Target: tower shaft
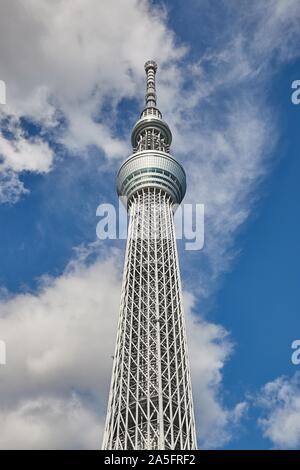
150,402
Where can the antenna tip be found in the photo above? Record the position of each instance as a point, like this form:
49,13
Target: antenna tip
150,64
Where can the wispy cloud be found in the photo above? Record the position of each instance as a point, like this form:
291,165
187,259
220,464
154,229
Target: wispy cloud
225,127
279,402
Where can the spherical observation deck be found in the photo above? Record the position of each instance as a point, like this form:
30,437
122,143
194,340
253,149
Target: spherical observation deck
151,169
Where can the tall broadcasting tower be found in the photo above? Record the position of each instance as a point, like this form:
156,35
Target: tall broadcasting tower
150,402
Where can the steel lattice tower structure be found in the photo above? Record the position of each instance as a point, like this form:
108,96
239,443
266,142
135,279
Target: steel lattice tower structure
150,403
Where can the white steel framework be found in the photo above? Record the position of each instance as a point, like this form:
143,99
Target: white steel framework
150,402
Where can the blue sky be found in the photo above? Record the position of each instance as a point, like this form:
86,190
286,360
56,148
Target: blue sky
74,91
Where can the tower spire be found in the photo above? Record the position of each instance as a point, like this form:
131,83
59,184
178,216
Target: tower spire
151,132
150,69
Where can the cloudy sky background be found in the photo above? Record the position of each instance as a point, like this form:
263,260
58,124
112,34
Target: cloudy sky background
75,86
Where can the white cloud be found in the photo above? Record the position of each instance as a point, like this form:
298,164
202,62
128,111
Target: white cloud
53,423
224,173
10,186
278,29
76,58
209,349
280,403
59,343
20,154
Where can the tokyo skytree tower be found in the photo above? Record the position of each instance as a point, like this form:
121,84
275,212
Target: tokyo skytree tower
150,403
